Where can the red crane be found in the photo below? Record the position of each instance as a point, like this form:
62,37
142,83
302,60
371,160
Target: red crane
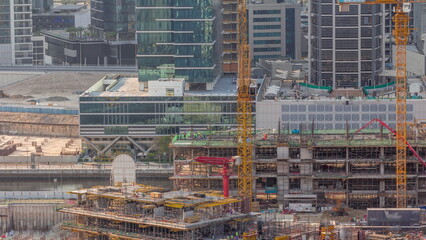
394,133
224,162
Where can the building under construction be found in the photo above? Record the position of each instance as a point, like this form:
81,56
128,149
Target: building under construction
307,170
144,212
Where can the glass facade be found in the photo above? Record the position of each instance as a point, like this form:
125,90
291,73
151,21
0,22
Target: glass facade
347,49
290,38
155,115
4,21
272,30
115,19
176,39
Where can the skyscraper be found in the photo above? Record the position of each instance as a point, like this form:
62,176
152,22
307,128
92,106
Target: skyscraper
229,37
346,49
419,22
15,32
115,19
114,22
177,39
274,29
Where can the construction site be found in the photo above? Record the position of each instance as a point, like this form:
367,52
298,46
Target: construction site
18,149
307,172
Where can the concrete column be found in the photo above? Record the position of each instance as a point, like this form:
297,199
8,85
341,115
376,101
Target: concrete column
306,168
347,153
347,168
286,185
306,186
382,202
283,153
382,169
280,186
382,153
305,153
286,168
382,185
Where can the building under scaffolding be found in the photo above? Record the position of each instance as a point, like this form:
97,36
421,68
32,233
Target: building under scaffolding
306,171
136,211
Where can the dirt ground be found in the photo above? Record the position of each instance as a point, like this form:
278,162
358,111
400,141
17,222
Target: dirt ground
51,85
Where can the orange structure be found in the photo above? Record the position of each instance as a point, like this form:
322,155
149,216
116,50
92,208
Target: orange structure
244,117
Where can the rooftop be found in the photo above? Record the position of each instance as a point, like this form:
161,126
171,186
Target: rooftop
296,90
129,86
63,34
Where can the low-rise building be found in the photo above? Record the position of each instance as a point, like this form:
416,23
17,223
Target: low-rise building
119,110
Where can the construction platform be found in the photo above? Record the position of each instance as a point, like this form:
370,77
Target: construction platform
134,211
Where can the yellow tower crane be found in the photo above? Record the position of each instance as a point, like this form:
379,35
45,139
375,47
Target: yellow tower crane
401,33
244,111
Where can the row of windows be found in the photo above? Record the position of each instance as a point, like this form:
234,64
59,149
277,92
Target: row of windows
201,107
267,34
256,42
322,126
343,108
266,27
275,19
277,49
158,119
267,12
341,117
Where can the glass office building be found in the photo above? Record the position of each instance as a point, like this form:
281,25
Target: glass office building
346,49
15,32
176,38
114,19
274,30
115,111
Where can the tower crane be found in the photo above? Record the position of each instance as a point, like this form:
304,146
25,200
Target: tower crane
401,33
244,111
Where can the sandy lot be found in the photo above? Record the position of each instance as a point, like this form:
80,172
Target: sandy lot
54,84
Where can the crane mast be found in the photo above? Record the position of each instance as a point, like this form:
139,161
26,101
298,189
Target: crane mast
401,33
244,111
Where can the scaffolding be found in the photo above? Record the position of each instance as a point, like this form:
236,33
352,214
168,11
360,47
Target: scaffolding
321,163
132,211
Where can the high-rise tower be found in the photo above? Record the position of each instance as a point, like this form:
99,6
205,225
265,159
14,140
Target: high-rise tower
346,49
177,39
15,32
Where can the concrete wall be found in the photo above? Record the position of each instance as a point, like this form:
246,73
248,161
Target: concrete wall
39,159
6,54
416,63
36,217
331,114
35,195
35,129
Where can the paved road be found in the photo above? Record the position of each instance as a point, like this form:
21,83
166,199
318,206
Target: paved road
108,69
